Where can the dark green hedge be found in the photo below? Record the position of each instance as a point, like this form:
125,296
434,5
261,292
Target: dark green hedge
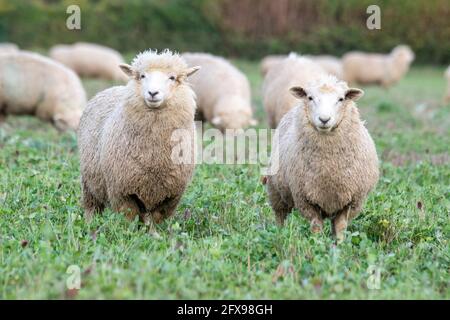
234,27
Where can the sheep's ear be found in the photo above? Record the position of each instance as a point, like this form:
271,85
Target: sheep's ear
353,94
127,69
216,121
298,92
192,70
253,122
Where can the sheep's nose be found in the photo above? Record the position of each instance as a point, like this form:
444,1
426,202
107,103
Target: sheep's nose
324,120
153,94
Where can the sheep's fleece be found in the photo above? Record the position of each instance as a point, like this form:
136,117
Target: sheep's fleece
126,146
223,92
33,84
330,64
90,60
293,70
375,68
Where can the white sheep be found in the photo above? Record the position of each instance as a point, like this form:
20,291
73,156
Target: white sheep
90,60
33,84
327,162
126,140
223,92
291,71
374,68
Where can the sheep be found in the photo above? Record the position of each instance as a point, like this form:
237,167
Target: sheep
125,140
33,84
7,47
327,161
373,68
447,75
90,60
293,70
228,105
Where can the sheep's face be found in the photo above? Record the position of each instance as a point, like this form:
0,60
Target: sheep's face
156,86
232,112
404,54
67,120
325,105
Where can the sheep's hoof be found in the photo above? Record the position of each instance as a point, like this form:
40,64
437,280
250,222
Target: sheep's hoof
157,217
280,220
340,237
88,216
316,226
146,219
264,179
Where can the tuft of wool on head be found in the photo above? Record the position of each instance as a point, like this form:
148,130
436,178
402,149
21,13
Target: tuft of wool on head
166,59
298,58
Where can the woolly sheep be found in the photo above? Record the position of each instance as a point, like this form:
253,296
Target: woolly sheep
293,70
33,84
7,47
447,75
374,68
223,92
90,60
126,140
327,161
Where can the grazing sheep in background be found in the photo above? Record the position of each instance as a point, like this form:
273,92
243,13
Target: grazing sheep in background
447,75
292,71
270,61
33,84
223,92
374,68
126,140
326,158
90,60
7,47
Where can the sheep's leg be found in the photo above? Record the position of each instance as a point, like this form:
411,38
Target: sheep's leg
91,204
126,206
166,209
279,206
339,225
340,222
311,213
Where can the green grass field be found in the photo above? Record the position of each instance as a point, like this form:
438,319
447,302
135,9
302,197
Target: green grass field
223,241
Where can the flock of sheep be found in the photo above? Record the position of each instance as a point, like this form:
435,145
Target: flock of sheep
327,160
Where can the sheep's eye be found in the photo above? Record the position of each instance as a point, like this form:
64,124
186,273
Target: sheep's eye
310,98
341,99
172,78
142,76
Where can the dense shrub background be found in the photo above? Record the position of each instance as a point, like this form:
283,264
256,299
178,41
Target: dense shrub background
245,28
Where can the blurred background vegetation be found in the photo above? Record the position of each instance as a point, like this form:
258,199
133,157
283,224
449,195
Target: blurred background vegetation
245,28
